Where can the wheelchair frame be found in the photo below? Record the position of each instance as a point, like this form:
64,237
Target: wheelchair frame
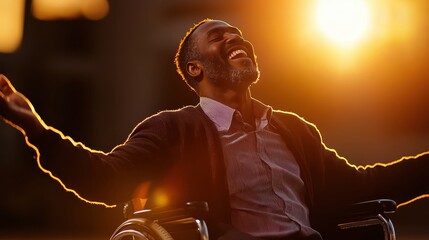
188,222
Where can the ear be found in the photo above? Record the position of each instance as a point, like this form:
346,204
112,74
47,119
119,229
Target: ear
195,69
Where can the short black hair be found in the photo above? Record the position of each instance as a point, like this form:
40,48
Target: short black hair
187,51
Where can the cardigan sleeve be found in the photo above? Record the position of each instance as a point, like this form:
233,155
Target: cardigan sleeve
402,180
100,177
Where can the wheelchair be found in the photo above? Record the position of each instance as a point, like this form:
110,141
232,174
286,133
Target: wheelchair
164,223
364,220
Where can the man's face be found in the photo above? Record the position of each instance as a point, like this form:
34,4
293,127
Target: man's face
228,60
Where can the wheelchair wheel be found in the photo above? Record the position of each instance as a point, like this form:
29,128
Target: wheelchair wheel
140,229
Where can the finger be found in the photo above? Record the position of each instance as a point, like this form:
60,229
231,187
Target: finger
5,86
2,103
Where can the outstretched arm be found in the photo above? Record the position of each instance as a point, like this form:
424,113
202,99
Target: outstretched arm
18,111
93,176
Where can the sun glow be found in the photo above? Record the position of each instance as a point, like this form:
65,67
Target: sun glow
344,22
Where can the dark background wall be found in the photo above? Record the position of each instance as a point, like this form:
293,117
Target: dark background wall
95,80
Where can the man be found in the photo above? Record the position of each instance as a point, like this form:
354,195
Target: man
266,174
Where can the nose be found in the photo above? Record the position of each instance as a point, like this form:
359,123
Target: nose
232,37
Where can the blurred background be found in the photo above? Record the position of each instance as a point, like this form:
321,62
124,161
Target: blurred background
95,68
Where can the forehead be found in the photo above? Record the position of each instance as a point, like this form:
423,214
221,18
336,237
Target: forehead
210,26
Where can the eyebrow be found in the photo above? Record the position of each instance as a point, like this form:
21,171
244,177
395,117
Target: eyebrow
224,29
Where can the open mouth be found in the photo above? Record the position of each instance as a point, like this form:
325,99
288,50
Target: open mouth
239,53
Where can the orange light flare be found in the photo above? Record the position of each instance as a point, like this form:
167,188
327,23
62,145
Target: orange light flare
349,33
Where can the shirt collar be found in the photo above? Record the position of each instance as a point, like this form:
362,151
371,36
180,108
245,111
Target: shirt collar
219,113
222,115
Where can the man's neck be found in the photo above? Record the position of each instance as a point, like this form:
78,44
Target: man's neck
241,101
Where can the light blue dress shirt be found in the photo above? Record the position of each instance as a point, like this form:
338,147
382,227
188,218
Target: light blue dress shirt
267,193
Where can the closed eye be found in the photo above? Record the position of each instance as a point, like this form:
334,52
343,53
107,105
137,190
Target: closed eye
214,37
216,34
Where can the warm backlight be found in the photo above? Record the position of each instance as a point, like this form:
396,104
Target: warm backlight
11,24
344,22
70,9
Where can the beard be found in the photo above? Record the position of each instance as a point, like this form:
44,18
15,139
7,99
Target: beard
225,76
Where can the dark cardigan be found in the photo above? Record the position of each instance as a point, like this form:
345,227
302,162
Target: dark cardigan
179,153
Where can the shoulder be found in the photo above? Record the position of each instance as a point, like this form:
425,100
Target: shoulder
184,115
290,118
168,119
177,113
293,122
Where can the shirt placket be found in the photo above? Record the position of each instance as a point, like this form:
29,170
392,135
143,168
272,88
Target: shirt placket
275,178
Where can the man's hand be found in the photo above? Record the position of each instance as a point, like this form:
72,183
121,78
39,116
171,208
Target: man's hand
18,111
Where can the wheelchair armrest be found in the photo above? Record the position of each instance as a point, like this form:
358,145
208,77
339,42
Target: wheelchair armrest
370,208
196,209
370,213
